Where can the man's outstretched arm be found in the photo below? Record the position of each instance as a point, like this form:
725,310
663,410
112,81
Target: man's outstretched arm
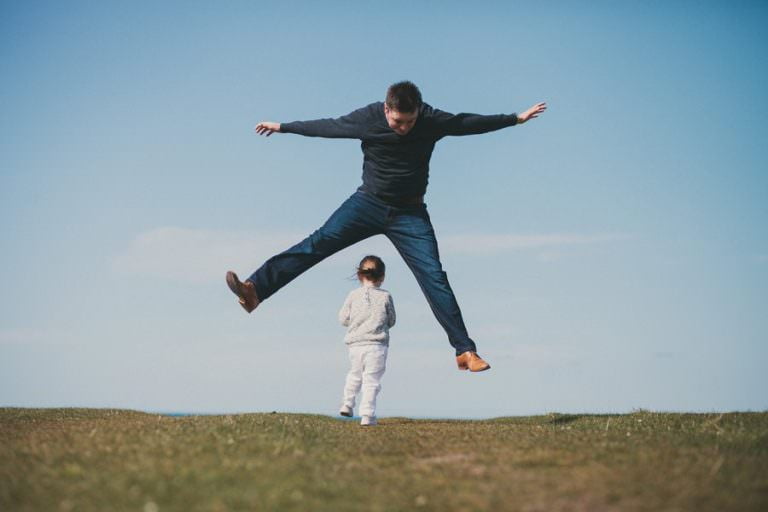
350,126
472,124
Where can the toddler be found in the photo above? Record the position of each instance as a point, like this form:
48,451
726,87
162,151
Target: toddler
368,313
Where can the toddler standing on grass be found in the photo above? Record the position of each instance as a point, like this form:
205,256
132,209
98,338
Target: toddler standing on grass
368,313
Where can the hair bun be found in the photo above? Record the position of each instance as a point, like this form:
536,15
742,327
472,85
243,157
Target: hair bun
375,270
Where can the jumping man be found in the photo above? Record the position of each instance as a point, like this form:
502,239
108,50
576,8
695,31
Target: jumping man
398,137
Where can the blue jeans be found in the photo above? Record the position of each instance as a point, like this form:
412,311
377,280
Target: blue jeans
362,216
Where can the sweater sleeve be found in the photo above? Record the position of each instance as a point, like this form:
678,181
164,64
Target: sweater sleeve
345,311
350,126
469,124
390,311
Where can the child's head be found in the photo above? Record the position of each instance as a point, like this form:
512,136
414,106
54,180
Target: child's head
371,269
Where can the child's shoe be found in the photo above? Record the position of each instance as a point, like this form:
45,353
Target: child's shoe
368,421
345,411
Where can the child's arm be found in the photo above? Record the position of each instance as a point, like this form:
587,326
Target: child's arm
390,311
345,311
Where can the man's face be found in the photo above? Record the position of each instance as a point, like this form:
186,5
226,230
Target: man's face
400,122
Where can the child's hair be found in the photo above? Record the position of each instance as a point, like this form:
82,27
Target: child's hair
375,270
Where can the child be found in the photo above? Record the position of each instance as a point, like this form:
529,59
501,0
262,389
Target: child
368,313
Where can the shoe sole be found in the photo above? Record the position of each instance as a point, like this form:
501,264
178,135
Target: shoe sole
466,367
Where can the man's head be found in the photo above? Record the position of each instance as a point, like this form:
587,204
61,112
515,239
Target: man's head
402,106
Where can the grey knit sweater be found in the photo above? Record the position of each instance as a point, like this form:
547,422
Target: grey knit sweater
368,313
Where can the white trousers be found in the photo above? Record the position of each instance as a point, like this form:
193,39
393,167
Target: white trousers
367,365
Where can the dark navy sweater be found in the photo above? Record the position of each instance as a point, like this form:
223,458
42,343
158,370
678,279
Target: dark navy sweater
396,167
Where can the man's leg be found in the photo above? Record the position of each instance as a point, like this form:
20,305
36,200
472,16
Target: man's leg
354,221
410,230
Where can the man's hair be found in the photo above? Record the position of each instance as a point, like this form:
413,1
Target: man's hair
404,97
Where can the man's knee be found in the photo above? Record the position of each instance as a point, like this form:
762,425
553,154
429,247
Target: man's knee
433,274
327,241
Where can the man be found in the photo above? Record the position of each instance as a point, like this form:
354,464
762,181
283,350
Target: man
398,137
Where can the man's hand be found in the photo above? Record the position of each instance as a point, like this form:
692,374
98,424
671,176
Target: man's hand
268,128
531,113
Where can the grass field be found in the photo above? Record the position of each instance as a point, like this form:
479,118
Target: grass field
86,459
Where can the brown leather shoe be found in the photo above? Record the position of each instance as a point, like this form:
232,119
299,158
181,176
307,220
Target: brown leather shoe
245,292
471,361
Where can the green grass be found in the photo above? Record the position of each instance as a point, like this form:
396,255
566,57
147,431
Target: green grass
80,459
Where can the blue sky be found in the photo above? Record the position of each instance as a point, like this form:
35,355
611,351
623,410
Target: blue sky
609,256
